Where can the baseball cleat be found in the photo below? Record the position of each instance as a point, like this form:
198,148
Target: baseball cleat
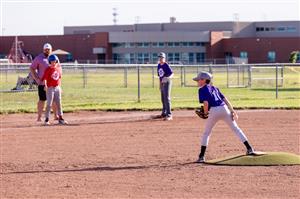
200,160
168,118
250,152
46,123
159,116
62,122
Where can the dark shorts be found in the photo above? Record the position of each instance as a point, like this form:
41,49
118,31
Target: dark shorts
42,93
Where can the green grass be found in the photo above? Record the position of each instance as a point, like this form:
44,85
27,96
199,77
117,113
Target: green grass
105,91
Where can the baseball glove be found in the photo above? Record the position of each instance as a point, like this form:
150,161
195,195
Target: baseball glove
200,113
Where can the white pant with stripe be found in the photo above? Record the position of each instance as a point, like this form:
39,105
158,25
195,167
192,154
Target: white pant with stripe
221,113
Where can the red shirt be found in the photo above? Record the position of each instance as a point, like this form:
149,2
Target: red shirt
52,76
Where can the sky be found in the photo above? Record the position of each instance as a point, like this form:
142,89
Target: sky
48,17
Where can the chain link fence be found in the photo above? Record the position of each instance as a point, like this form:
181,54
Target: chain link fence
112,83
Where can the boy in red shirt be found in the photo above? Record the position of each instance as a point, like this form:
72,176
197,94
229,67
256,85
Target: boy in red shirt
52,79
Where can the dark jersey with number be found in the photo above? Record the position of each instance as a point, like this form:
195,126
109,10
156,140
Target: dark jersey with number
212,95
164,70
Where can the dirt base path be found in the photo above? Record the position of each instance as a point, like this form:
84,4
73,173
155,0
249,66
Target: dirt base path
130,155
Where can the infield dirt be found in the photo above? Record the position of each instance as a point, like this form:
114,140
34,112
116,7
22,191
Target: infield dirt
130,155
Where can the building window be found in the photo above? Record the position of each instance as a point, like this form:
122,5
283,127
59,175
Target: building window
170,57
291,29
228,54
185,57
200,57
185,44
146,45
127,58
146,58
191,58
155,45
154,58
176,44
243,54
140,45
170,44
117,58
191,44
281,29
118,45
200,44
132,58
129,45
161,44
140,58
259,29
143,58
176,57
271,56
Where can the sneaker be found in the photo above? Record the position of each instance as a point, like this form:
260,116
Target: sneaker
169,118
46,123
159,116
200,160
250,152
62,122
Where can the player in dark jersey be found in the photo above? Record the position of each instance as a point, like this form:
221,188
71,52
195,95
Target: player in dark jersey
165,75
218,107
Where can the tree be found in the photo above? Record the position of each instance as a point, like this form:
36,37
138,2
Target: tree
294,56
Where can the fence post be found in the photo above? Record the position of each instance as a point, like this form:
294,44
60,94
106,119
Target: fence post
276,81
249,76
282,71
243,76
238,76
84,75
139,83
125,77
181,75
184,76
152,76
6,73
210,69
227,70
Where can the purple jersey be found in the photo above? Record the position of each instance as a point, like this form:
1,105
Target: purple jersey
212,95
164,71
40,63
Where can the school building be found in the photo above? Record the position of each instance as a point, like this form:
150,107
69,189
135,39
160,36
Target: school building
184,43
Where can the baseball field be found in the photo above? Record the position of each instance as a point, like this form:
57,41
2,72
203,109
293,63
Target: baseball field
129,155
125,153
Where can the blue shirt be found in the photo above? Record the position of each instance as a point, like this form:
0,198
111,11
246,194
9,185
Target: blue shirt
164,71
212,95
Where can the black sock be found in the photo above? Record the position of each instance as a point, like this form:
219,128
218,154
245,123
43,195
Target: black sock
246,143
47,120
203,149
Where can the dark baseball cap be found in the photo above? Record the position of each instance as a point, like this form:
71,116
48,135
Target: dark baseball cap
203,75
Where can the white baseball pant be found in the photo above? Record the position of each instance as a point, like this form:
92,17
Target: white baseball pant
221,113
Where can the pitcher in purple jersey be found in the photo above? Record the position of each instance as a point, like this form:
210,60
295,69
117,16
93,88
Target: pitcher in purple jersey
217,107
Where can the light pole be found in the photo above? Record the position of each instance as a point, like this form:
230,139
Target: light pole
1,18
